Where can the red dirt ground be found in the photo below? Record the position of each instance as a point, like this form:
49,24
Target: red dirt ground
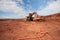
30,30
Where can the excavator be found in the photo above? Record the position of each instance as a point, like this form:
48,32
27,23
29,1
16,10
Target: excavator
31,18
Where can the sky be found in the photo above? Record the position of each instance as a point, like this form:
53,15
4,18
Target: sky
21,8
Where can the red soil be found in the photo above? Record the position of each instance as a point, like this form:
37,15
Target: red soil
31,30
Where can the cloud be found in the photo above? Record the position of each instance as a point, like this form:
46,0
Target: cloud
51,8
11,6
20,1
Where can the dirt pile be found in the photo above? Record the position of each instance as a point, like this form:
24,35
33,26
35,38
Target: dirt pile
49,17
31,30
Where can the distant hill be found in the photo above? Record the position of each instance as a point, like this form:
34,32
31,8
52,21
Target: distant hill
49,17
53,16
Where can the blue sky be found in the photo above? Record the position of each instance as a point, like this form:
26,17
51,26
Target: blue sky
21,8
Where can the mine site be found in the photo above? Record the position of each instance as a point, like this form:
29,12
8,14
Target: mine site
29,19
31,28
